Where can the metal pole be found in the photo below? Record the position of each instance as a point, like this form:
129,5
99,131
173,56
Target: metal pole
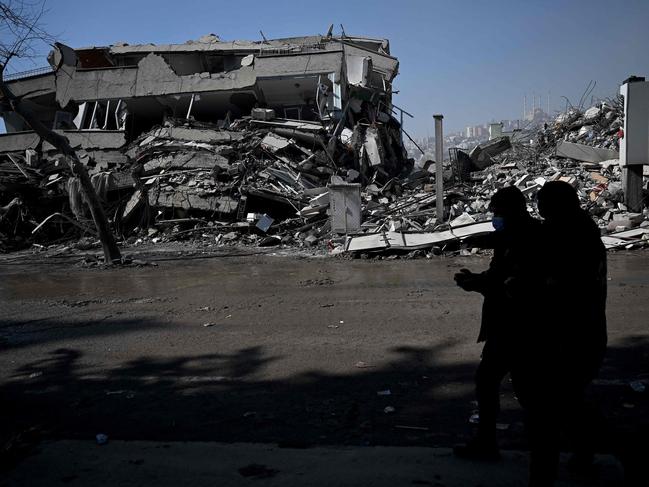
439,177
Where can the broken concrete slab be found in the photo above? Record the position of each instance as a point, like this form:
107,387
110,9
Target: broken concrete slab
585,153
482,154
274,142
463,219
187,160
187,200
414,241
209,136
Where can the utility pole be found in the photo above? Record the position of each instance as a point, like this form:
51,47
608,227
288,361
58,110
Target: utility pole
439,170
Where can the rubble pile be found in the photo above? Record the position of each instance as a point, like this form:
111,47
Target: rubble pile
579,148
236,140
260,182
241,184
293,142
265,181
598,126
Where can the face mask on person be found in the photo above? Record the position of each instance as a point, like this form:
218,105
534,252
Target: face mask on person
498,223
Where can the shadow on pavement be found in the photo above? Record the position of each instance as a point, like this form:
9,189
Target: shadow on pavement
413,400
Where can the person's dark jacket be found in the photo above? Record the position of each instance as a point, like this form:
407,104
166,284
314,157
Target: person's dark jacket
576,283
511,279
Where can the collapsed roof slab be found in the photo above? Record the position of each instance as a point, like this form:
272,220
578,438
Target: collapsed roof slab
85,139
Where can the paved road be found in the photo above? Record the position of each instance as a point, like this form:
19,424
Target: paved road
296,352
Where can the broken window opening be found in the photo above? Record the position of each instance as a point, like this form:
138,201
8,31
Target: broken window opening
121,113
99,115
93,117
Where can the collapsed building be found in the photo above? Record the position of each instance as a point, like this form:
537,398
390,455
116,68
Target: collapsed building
208,130
291,142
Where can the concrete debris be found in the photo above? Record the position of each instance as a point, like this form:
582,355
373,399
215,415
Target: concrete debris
481,155
185,141
580,148
584,153
408,226
291,142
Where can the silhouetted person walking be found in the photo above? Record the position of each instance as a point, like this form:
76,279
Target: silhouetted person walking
562,353
514,240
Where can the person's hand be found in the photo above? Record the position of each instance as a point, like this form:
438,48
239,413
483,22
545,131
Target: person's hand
466,279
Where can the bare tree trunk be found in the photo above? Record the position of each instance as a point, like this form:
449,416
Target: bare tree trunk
111,251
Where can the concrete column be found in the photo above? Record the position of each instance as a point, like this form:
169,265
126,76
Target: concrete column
632,185
439,170
634,146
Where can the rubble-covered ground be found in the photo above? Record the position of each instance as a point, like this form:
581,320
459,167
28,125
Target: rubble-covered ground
263,181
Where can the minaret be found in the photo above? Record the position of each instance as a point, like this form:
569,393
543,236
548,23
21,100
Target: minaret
524,107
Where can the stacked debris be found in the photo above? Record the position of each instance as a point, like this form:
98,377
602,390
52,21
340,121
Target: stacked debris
47,203
291,141
207,132
263,180
259,176
579,148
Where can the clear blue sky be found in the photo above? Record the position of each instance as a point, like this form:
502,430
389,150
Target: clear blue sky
470,60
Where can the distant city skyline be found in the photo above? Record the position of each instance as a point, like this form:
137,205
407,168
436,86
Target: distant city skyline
471,61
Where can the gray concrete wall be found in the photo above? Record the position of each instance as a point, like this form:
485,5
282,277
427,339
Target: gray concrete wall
152,77
299,64
35,86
